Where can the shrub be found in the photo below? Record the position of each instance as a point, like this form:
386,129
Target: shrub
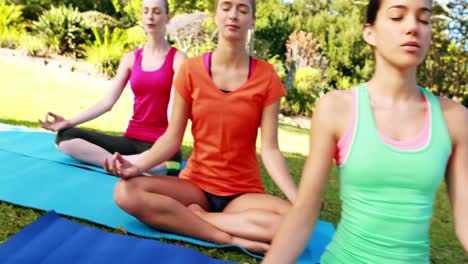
279,67
106,50
33,45
97,19
11,25
308,86
62,29
136,37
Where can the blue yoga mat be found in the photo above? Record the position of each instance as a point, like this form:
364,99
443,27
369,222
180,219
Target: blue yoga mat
55,240
35,174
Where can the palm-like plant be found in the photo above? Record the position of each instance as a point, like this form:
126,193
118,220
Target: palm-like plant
11,24
62,29
106,50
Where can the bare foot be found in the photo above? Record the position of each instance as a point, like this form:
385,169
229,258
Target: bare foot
252,246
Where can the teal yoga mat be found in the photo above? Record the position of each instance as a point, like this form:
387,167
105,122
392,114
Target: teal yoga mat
35,174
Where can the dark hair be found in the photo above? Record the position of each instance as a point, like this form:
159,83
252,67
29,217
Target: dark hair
372,10
252,2
166,6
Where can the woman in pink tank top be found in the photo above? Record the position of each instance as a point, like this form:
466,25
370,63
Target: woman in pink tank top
150,71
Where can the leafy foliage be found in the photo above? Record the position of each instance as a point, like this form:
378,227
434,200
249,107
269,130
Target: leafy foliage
272,28
136,37
33,45
11,24
98,20
34,8
62,29
106,50
129,10
192,33
189,6
337,26
445,69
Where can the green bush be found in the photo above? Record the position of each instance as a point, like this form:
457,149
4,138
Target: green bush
33,45
278,65
62,29
10,37
31,12
106,50
308,87
129,10
98,20
136,37
307,80
11,24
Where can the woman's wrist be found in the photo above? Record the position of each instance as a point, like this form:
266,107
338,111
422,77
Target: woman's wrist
139,171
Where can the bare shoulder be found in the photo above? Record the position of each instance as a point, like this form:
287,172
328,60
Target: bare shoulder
334,110
180,56
335,104
128,59
456,118
179,59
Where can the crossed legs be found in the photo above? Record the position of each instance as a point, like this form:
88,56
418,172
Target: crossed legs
179,206
93,147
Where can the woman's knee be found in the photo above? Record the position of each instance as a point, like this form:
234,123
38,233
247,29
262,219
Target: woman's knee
131,196
125,196
70,146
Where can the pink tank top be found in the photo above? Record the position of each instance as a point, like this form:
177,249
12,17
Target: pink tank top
344,144
152,90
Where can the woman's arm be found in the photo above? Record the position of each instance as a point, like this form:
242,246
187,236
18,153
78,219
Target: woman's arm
179,59
303,215
272,158
104,105
457,169
164,148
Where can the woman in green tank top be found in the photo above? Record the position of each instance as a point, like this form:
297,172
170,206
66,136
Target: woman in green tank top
388,173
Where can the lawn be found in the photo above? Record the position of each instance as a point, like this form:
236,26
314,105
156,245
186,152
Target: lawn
28,91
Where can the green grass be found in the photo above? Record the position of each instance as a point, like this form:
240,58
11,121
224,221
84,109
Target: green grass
28,91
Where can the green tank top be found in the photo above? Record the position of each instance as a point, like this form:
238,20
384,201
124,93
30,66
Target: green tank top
388,194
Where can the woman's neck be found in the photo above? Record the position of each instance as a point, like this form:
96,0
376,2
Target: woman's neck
156,44
393,83
230,54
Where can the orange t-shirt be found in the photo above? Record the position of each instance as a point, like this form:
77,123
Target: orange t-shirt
224,127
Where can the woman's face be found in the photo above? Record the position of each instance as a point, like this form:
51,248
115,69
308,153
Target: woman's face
234,18
155,17
401,34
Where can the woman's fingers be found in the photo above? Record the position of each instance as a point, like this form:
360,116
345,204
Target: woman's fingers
55,116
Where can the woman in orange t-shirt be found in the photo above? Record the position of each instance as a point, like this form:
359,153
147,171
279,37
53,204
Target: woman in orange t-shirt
219,196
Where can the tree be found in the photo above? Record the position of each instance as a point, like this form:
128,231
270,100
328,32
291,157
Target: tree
189,6
337,26
272,28
444,70
307,73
